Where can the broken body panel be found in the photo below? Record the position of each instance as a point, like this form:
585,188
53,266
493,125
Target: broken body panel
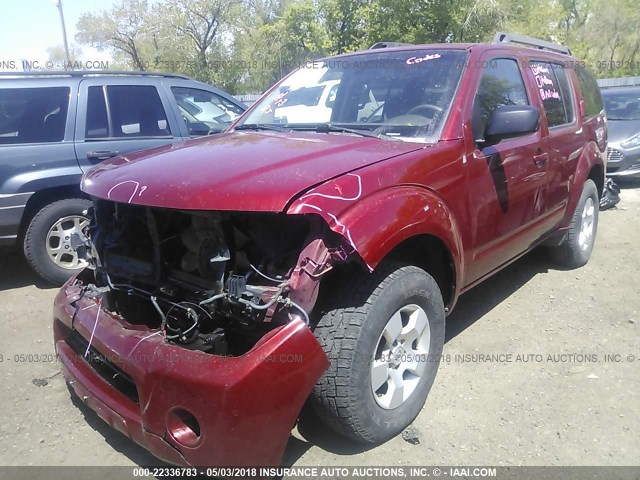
242,419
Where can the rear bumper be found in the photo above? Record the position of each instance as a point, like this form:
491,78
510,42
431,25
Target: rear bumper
12,207
244,407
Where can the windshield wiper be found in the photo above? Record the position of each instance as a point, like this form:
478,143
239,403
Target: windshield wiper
261,126
329,127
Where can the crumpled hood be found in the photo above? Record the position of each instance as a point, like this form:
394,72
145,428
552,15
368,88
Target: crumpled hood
242,171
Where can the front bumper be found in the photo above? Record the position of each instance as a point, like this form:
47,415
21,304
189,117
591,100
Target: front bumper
623,162
244,407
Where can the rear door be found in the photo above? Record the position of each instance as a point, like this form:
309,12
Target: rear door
117,116
507,181
565,137
36,144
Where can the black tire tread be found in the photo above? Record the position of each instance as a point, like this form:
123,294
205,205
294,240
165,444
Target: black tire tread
566,254
29,245
338,333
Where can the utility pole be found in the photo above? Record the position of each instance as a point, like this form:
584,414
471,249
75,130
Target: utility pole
64,30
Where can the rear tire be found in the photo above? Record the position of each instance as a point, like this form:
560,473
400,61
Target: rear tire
576,249
383,334
46,241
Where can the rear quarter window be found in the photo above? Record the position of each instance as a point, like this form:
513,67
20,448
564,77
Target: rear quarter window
33,115
590,91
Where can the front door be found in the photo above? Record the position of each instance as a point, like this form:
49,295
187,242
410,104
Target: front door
507,180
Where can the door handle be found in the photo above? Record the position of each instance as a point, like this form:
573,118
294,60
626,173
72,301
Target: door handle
101,154
540,159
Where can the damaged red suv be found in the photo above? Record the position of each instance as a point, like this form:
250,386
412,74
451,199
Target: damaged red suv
313,251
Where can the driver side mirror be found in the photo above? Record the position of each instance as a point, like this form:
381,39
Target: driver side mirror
511,121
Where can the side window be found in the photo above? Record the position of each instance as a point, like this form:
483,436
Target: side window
553,87
125,111
33,115
590,91
500,84
136,111
202,107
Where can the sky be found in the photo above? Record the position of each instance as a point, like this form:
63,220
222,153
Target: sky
29,27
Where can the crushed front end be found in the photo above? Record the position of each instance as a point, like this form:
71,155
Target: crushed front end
190,332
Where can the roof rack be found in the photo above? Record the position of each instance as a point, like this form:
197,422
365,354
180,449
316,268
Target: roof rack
504,37
90,73
378,45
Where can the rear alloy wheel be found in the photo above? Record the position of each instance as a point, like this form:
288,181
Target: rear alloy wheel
47,243
576,249
383,333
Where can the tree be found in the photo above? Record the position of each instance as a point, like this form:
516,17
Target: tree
125,30
610,42
345,24
410,21
201,23
246,45
286,42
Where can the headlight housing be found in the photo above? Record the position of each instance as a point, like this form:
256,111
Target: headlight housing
633,142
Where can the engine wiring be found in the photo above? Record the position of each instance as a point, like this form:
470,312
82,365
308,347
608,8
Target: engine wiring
271,279
182,277
175,334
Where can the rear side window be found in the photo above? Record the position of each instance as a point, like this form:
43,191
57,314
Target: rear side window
501,84
33,115
125,111
555,92
590,91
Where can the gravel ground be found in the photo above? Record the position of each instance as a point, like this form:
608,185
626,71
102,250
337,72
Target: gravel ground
553,397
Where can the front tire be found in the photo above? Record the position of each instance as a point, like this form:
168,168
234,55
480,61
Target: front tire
47,241
383,335
576,249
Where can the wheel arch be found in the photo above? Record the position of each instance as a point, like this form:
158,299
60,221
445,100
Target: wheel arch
44,197
590,166
430,253
404,223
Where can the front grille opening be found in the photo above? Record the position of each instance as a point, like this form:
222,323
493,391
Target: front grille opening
614,155
103,367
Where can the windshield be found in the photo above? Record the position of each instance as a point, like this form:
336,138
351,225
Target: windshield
401,95
621,105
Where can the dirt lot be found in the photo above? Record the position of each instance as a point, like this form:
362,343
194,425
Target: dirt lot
552,398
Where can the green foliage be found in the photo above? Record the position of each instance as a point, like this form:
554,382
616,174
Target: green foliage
246,45
411,21
125,29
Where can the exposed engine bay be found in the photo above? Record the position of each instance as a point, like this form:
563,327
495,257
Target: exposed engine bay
210,281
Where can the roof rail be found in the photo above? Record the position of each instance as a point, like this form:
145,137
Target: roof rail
89,73
504,37
378,45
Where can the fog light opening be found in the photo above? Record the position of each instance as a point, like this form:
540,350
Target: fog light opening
183,427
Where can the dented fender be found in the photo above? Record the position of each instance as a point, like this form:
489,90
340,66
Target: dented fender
590,157
356,210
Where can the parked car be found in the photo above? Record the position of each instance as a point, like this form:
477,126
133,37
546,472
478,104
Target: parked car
235,276
55,126
622,105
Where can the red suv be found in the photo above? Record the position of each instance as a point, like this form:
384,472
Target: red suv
235,276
